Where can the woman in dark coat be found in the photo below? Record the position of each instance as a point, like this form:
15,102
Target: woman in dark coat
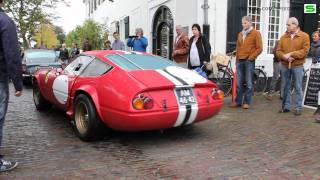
315,47
199,48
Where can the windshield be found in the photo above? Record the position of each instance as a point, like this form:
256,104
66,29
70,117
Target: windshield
41,57
138,62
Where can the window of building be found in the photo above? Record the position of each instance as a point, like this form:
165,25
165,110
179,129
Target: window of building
274,24
126,27
254,10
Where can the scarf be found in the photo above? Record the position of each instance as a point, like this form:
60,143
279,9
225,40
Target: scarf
245,32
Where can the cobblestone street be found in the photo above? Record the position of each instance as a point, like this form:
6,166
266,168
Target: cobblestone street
258,143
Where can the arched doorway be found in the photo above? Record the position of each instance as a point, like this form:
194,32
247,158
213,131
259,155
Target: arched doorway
162,32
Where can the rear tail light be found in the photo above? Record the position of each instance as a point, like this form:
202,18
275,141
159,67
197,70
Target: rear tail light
141,102
217,94
24,68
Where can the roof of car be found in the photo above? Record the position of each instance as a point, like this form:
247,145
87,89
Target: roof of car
112,52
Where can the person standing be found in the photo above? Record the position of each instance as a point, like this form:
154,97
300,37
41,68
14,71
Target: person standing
75,50
86,45
315,47
276,74
117,43
107,45
10,68
181,47
64,54
249,47
293,48
199,48
42,46
138,43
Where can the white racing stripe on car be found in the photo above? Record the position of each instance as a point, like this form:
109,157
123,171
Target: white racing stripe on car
183,110
181,116
194,113
169,77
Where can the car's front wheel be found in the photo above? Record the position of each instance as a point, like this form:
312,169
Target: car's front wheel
39,101
88,125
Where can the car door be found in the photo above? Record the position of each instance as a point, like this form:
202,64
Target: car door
63,81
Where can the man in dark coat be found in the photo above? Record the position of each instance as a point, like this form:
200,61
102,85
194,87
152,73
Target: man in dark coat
10,68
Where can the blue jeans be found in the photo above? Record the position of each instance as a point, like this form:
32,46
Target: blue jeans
4,98
295,74
245,70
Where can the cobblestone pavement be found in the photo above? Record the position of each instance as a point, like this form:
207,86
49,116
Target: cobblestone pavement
257,143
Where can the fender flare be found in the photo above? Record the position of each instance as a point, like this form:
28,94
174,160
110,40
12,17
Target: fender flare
92,94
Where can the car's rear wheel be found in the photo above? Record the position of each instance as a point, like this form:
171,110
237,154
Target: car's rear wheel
88,125
39,101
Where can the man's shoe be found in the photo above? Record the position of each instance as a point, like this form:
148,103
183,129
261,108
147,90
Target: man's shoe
234,105
297,112
284,110
245,106
7,165
269,98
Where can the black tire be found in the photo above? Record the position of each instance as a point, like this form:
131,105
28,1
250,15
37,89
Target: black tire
87,123
259,81
39,101
224,81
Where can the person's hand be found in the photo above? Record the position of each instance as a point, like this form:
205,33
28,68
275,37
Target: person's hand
18,93
290,59
287,56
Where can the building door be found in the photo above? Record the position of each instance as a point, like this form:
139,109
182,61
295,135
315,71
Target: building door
308,22
162,35
236,10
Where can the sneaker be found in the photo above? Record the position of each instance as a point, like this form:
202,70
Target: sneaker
245,106
297,112
7,165
234,105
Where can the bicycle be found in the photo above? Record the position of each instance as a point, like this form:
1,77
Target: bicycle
259,80
223,76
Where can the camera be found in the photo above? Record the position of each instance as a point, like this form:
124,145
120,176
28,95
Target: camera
133,36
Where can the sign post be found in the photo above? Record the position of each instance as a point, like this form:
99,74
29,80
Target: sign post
311,95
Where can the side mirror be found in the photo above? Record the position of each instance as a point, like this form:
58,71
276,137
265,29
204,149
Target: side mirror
59,70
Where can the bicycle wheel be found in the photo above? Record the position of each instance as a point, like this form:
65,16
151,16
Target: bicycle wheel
259,81
223,80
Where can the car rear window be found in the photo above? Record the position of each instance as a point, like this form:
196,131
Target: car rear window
41,57
138,61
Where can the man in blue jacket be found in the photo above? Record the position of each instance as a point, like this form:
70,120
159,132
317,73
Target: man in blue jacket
10,68
138,43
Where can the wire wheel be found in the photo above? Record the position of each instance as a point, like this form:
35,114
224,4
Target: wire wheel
82,118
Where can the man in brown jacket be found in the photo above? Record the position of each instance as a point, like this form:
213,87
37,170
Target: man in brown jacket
181,47
249,47
293,48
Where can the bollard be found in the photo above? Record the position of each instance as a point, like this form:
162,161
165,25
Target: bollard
234,86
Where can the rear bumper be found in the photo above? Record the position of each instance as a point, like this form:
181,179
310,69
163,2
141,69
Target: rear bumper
142,121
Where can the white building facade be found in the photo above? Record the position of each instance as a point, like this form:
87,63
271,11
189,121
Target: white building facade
159,17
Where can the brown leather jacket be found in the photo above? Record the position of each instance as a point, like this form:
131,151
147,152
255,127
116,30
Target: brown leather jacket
181,49
298,46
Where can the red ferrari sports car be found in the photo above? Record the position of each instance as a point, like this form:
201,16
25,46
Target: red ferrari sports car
126,91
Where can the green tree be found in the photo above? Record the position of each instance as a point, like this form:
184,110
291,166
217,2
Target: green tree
29,14
91,30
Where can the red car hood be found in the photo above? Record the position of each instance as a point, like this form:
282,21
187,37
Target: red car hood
168,78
